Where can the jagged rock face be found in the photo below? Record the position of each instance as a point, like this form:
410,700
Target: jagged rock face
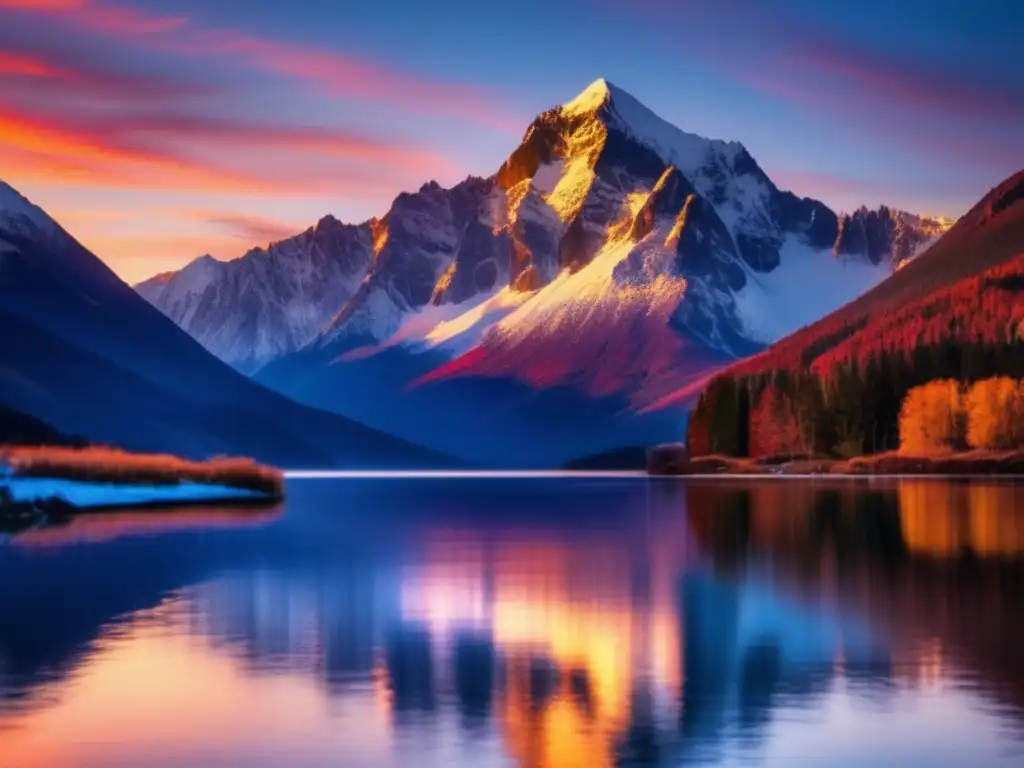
886,234
584,174
818,223
271,301
434,246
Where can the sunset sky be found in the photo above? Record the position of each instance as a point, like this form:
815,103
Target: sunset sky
156,131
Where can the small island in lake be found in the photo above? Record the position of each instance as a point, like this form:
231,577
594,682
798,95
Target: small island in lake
42,482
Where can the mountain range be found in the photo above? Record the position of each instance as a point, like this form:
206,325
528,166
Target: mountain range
83,355
571,304
541,312
581,171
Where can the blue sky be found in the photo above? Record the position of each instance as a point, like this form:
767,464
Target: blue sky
157,131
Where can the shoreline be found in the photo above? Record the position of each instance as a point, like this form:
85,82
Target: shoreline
45,485
893,464
614,474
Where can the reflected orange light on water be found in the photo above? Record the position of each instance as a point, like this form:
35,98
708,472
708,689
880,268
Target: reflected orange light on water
150,691
945,519
570,607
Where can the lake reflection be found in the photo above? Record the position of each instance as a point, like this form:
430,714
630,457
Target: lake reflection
555,622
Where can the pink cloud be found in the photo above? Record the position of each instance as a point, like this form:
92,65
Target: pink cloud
344,75
124,20
23,65
902,82
101,16
335,72
338,143
36,72
781,54
55,149
43,5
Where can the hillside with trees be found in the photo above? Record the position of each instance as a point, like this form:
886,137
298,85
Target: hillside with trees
838,387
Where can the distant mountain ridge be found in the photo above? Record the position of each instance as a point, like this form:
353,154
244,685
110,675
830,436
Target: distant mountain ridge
887,234
272,300
85,354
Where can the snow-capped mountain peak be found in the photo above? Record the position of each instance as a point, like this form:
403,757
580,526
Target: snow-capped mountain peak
590,99
687,151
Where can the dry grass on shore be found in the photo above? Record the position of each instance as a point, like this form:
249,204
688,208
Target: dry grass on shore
111,465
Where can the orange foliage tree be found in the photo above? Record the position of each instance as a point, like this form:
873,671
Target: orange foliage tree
995,414
933,418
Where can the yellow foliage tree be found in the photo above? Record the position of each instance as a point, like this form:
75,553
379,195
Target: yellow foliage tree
933,418
995,414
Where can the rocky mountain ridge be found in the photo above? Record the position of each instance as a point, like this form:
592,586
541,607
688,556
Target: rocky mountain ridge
600,166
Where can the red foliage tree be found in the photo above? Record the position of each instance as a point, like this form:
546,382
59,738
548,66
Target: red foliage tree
775,425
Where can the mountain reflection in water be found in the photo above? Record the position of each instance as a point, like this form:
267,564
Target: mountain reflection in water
552,622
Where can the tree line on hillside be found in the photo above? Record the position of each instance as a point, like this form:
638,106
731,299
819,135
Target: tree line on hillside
842,392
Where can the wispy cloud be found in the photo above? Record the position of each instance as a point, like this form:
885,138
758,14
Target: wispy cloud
340,74
900,81
23,65
66,119
250,229
63,73
152,155
101,16
334,72
928,105
770,49
344,144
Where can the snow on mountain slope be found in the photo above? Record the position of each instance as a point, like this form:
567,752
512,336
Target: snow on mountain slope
804,288
270,301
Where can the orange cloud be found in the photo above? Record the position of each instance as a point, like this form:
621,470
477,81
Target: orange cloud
332,142
165,151
50,154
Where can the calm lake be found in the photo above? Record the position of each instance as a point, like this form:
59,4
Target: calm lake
525,622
